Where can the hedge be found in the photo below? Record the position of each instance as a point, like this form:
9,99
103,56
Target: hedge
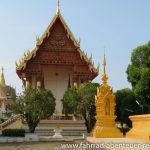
13,132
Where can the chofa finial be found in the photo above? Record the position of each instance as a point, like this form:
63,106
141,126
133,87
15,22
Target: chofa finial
58,6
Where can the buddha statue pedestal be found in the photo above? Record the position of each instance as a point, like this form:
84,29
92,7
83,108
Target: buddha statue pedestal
57,132
106,128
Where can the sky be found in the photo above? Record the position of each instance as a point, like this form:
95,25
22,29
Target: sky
118,25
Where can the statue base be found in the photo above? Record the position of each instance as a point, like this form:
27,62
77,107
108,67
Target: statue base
107,128
57,133
140,128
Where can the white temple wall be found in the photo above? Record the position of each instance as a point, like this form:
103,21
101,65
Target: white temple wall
56,79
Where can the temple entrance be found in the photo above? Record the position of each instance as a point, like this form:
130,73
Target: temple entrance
56,79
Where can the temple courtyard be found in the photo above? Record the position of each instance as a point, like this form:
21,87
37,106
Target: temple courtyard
66,100
52,146
31,146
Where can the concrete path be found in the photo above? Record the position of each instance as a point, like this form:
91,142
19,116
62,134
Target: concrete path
120,143
40,146
72,143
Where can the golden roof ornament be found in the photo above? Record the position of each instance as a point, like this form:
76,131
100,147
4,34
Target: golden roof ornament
98,67
79,41
58,7
38,41
90,59
86,54
16,64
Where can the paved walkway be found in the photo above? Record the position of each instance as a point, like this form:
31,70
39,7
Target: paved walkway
120,143
38,146
30,146
73,143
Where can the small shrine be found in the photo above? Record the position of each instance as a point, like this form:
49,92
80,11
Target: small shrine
105,109
6,93
2,93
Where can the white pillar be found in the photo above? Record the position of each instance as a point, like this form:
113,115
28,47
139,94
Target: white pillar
75,84
38,84
27,84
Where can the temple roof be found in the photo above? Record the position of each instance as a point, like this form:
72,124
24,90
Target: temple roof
28,55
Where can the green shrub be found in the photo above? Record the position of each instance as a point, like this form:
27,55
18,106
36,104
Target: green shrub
13,132
2,120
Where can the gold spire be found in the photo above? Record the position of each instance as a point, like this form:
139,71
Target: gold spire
104,63
104,76
2,79
58,7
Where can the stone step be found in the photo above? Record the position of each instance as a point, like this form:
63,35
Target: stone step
62,125
62,121
64,133
52,128
69,127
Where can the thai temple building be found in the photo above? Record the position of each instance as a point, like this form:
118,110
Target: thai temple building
6,93
57,61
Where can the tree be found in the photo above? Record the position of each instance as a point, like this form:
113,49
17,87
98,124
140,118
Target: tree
71,100
139,73
81,101
87,92
125,106
34,105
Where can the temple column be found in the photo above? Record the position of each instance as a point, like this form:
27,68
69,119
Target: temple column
74,81
38,82
27,81
75,84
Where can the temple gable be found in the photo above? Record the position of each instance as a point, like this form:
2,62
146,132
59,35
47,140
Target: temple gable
58,39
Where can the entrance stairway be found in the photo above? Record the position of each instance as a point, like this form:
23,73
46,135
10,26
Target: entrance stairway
46,127
69,127
13,122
